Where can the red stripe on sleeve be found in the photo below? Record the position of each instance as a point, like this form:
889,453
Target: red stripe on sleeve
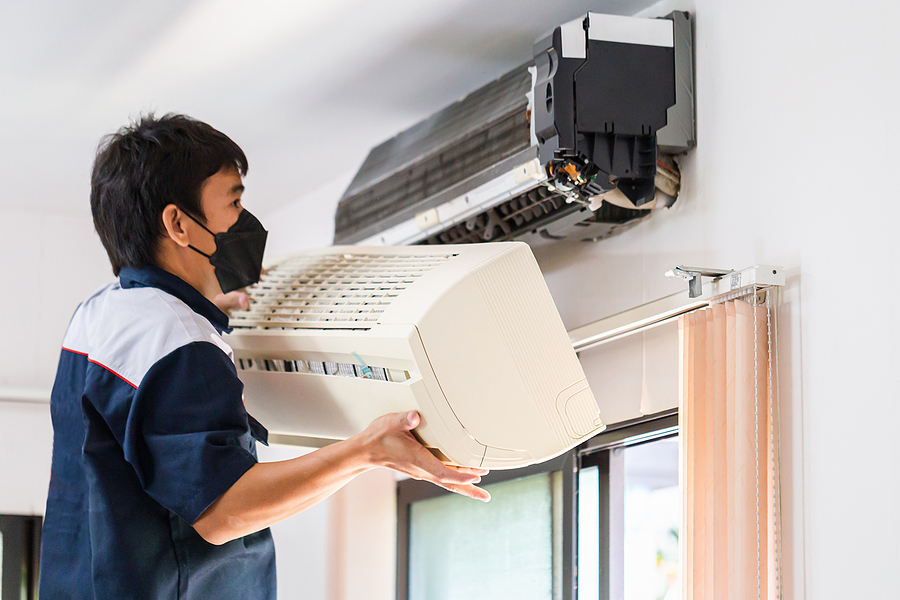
74,351
99,365
113,372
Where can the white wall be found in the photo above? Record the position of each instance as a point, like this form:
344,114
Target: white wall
25,444
49,263
302,544
362,538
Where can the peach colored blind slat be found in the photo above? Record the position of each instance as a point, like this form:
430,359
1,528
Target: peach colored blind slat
729,458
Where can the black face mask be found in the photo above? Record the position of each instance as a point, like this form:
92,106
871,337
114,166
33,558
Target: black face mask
239,252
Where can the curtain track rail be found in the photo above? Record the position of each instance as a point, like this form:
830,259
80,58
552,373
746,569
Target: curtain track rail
657,312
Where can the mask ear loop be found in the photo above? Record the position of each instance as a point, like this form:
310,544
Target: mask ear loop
194,219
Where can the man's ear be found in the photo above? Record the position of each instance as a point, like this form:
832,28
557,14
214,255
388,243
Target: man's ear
173,220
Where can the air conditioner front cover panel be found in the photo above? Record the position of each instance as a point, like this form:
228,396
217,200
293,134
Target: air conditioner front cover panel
467,335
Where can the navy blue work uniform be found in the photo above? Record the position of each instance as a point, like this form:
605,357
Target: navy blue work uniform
149,429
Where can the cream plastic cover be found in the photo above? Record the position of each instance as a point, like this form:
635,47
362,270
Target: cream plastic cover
467,335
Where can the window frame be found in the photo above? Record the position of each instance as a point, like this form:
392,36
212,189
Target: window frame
21,556
593,452
596,453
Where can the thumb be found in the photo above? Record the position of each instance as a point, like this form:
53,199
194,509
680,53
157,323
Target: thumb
241,300
409,420
232,301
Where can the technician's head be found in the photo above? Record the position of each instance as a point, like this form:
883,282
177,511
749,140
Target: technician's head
165,192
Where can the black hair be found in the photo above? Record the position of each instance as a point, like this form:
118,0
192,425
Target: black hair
144,167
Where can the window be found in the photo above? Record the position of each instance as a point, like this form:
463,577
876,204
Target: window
610,506
630,516
451,547
20,546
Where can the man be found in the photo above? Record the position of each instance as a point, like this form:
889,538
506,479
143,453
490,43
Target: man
155,489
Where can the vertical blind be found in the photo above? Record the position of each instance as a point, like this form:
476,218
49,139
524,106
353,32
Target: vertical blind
729,450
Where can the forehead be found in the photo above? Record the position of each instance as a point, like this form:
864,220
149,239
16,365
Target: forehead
225,183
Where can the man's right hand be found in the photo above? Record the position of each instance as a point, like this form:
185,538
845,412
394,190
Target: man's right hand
390,443
271,492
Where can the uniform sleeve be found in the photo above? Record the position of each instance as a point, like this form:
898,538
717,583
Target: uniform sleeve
188,435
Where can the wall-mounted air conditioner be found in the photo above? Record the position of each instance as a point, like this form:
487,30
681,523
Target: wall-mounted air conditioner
467,335
564,146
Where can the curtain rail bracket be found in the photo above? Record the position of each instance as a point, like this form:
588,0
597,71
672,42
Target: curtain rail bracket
694,276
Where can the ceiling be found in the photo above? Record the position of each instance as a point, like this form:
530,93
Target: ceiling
306,88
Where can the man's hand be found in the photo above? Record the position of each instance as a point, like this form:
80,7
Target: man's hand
271,492
237,300
390,444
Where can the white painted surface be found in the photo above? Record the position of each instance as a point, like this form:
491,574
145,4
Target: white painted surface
362,538
25,444
300,542
49,264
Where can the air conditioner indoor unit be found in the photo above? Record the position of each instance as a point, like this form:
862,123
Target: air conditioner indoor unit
467,335
574,144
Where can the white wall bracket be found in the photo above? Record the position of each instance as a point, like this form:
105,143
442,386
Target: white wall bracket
694,276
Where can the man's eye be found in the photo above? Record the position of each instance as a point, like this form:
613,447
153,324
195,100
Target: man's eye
236,203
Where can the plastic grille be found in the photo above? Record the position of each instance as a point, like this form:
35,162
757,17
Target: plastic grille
527,212
332,289
317,368
506,220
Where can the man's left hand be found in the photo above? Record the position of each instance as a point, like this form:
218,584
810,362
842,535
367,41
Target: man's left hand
237,300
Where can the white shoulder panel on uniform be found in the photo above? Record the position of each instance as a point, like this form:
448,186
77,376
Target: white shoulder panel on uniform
128,330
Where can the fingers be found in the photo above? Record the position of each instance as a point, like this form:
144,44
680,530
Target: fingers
401,451
470,491
236,300
426,461
473,470
459,480
409,420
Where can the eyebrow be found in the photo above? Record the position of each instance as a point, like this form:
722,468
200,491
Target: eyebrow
238,188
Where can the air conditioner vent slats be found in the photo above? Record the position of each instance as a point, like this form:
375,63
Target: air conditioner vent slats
331,289
278,365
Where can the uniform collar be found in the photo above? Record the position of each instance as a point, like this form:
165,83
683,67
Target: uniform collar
150,276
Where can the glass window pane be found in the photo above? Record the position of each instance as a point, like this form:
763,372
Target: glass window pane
652,521
461,549
589,534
